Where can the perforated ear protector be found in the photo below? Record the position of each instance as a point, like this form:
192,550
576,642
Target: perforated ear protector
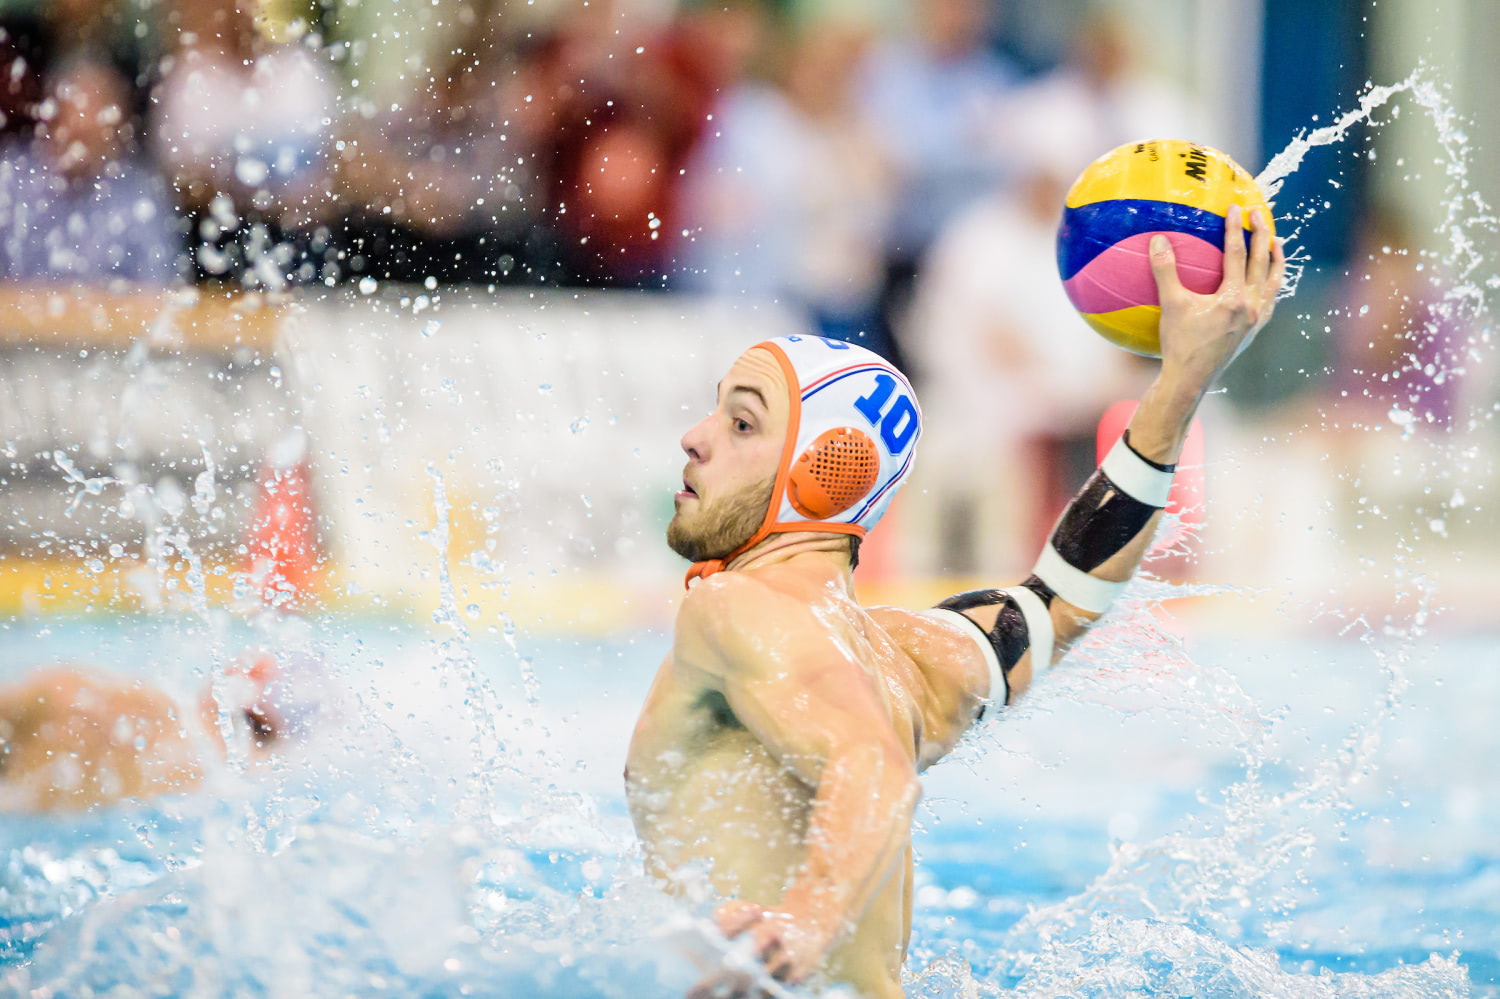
839,470
851,436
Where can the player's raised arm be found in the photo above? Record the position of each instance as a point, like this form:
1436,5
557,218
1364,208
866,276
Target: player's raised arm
1102,535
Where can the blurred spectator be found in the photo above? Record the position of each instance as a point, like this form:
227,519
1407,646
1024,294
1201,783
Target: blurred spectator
57,32
790,197
602,159
548,157
1102,98
623,112
444,185
1397,346
931,98
1007,367
241,125
76,202
708,51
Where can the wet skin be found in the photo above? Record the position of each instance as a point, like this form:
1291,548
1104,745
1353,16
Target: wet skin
777,753
791,783
74,738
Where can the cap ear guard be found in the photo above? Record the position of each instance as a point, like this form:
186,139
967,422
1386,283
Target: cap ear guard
835,472
856,415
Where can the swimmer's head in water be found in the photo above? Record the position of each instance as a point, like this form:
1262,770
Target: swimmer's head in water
808,434
276,696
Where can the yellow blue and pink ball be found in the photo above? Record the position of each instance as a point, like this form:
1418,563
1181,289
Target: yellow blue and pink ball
1179,189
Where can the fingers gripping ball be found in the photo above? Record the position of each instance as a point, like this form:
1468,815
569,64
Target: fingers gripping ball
836,472
1179,189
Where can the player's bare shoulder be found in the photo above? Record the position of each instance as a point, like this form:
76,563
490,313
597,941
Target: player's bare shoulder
767,621
936,644
954,670
721,617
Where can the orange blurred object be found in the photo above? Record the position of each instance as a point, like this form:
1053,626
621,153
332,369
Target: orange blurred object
283,560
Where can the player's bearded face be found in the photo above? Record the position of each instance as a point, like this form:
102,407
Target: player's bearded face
733,456
713,528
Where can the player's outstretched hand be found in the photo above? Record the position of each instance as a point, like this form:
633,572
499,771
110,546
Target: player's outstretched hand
789,950
1201,334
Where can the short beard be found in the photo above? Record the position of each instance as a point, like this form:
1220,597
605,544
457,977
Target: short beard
724,527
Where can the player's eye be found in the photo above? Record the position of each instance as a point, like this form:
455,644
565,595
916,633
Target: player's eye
742,426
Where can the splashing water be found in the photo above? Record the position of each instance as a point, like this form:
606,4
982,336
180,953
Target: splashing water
1286,162
1171,916
422,848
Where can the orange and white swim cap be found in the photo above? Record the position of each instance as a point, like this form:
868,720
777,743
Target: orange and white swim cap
849,445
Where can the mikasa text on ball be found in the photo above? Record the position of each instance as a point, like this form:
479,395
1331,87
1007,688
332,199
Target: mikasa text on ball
1169,186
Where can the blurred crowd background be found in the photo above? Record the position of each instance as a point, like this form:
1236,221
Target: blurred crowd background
884,171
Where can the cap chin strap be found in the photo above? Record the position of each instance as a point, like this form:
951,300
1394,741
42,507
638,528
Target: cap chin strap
702,570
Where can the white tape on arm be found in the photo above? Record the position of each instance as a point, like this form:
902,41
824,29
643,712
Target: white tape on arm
1038,627
1135,476
999,688
1077,587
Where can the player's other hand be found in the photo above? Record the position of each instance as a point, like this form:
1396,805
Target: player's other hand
1201,334
789,949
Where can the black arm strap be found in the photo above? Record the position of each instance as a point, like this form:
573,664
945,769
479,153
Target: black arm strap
1102,519
1009,637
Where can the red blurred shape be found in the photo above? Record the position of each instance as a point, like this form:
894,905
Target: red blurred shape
283,559
879,558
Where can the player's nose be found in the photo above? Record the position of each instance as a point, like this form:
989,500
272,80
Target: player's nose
696,441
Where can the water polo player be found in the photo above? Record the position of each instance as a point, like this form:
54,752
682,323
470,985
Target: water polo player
778,750
73,737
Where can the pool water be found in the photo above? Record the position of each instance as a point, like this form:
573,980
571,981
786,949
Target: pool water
1239,816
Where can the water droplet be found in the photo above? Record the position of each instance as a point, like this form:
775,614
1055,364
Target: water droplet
250,171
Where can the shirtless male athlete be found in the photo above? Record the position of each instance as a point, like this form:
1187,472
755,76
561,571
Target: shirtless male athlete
778,750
